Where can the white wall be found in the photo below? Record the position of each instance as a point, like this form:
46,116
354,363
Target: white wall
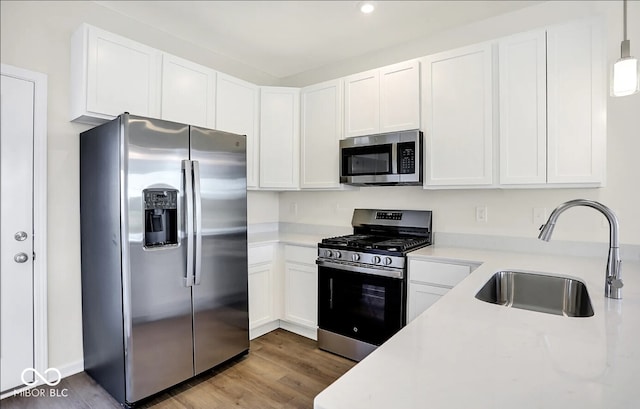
35,35
509,211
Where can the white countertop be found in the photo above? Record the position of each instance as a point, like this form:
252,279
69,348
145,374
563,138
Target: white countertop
306,240
466,353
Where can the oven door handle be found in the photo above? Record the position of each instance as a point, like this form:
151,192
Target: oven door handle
331,293
377,271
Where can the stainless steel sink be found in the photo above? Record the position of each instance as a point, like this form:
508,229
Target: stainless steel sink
538,292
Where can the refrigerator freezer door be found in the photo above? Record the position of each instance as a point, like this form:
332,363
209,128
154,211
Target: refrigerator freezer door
221,321
157,304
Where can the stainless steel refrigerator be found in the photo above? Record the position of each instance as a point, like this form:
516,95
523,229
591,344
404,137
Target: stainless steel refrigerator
164,253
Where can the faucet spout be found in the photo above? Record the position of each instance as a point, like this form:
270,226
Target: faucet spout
613,280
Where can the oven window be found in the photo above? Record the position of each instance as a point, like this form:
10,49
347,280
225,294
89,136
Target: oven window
361,306
367,160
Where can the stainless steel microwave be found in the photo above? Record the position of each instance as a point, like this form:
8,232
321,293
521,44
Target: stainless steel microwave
384,159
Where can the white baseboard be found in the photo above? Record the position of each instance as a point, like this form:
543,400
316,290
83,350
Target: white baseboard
71,368
263,329
304,331
307,332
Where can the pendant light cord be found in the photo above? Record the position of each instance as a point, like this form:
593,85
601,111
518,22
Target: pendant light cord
624,19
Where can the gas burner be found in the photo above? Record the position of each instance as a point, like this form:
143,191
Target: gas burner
350,240
402,244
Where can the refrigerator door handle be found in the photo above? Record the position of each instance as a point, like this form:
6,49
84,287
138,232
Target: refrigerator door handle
198,222
188,195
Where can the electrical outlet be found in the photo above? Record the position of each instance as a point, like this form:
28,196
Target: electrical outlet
293,208
481,214
539,216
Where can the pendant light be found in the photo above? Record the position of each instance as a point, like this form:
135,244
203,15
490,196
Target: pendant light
625,70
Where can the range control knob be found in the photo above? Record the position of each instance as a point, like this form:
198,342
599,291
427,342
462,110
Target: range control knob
355,257
387,261
375,259
328,253
337,254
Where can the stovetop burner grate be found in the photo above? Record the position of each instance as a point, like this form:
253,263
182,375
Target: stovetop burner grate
386,243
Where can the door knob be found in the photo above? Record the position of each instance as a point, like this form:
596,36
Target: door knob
20,236
20,258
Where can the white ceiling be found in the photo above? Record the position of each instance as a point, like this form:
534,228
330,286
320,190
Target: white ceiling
285,38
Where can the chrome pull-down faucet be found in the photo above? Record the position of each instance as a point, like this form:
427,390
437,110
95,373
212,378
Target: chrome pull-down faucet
613,280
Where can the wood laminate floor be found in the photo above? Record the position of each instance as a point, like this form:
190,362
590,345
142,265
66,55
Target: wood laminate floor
282,370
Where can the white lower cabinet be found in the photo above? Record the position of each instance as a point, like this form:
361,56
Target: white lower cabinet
262,290
300,290
428,281
421,297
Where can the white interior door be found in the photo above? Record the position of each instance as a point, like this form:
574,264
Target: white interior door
16,231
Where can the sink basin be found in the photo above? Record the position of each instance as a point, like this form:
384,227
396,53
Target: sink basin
538,292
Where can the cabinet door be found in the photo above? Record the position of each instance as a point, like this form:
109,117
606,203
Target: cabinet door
362,104
457,108
279,137
237,111
440,274
400,97
421,297
321,133
576,103
260,295
523,106
301,294
188,92
122,75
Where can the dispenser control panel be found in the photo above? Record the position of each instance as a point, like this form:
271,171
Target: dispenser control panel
160,218
160,199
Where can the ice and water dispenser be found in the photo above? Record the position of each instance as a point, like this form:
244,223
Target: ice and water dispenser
160,217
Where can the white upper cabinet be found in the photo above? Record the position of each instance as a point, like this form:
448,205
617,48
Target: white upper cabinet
111,75
321,131
458,117
279,138
362,104
400,97
523,108
552,97
237,111
188,92
576,100
382,100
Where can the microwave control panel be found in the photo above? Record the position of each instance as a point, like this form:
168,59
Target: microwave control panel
406,157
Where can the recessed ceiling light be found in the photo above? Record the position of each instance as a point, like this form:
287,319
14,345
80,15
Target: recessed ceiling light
367,7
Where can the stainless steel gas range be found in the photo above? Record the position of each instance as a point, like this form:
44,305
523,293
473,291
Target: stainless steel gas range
362,279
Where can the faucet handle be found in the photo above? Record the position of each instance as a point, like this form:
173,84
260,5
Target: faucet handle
615,282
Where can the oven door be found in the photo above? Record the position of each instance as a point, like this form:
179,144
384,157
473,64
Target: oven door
369,308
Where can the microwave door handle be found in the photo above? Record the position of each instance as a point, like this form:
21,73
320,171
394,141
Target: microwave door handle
394,158
197,223
188,218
